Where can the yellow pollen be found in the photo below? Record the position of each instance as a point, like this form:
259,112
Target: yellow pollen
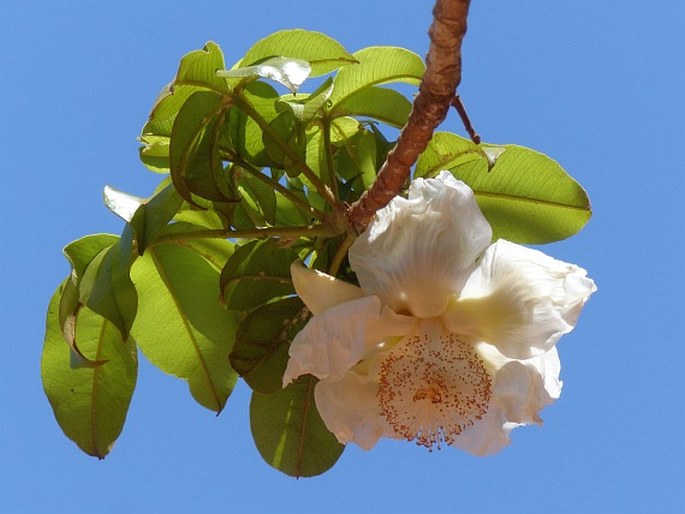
431,389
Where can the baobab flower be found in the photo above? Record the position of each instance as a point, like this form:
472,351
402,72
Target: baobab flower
448,339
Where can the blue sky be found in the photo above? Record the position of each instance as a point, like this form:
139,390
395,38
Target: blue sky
599,86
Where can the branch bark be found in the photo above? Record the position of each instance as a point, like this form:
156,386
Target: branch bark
438,87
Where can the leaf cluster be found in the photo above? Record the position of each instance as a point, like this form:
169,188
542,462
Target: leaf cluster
256,174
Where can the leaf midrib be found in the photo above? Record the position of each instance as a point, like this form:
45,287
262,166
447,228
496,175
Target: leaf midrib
513,198
167,283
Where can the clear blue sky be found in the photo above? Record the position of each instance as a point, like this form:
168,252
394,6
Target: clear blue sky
599,86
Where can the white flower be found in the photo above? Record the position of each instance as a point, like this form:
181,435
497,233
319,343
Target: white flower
450,339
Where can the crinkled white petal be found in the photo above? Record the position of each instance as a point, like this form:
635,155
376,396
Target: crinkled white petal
486,437
521,389
520,300
349,408
320,291
418,252
334,341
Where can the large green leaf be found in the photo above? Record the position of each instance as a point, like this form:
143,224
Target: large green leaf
377,65
181,326
305,107
244,135
194,159
89,403
355,161
322,52
153,216
259,194
161,120
446,151
260,354
380,103
106,286
289,432
147,216
80,253
196,72
287,213
257,272
285,129
526,196
199,67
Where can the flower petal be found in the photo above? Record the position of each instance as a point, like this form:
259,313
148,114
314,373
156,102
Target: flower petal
320,291
520,300
418,252
349,408
486,437
521,389
334,341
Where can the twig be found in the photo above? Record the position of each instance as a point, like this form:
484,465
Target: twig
438,87
459,106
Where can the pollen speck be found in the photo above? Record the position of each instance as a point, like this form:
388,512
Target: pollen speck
432,388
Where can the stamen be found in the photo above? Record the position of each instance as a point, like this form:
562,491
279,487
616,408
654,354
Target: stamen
432,387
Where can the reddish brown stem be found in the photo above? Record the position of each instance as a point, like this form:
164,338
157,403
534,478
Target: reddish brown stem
437,89
459,106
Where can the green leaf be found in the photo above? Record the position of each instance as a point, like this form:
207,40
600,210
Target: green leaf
283,126
286,129
289,432
79,253
260,354
356,161
260,195
286,71
106,287
194,159
199,67
377,65
287,213
382,104
527,197
164,111
244,135
322,52
305,107
446,151
257,272
154,152
89,403
196,72
205,218
154,214
181,326
147,216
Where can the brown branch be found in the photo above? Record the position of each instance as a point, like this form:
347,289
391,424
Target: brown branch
438,87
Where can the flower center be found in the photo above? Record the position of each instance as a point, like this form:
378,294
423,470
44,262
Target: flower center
432,387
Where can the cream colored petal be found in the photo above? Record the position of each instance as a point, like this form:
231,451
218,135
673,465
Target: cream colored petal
418,252
520,300
337,339
521,389
350,410
486,437
320,291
